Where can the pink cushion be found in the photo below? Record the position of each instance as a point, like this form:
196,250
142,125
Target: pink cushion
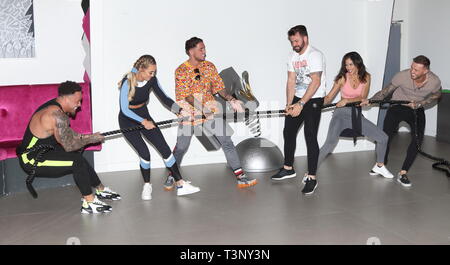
18,103
86,25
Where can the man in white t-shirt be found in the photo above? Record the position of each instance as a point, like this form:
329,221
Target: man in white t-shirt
305,90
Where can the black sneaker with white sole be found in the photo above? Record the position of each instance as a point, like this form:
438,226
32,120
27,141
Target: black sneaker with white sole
96,206
310,186
404,180
284,174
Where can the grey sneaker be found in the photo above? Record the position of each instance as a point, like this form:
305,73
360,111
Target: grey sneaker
245,181
169,184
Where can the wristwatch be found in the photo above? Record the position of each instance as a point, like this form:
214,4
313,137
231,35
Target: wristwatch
301,103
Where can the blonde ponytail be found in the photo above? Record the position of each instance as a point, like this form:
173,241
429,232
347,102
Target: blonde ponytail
142,63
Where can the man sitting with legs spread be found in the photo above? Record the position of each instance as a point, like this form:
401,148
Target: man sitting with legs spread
50,126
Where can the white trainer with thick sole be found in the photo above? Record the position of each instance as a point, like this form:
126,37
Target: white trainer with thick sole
147,192
186,189
383,171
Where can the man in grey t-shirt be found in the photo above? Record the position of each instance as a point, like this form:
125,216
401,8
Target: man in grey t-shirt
422,88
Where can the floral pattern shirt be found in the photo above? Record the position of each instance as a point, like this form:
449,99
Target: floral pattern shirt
201,82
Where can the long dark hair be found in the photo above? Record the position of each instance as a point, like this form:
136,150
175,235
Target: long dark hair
358,62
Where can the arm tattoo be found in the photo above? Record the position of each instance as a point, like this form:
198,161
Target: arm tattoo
69,139
384,93
430,100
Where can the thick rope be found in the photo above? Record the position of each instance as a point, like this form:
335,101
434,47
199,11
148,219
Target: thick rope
252,120
440,161
250,117
41,150
246,115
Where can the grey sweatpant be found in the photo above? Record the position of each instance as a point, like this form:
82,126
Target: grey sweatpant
219,128
342,119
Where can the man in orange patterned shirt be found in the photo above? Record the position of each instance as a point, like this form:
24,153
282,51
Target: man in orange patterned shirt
197,81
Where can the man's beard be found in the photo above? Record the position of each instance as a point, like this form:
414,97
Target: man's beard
298,48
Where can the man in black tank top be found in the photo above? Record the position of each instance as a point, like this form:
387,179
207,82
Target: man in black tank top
49,128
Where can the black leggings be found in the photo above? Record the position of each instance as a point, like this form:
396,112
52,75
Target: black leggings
58,163
394,116
310,114
156,139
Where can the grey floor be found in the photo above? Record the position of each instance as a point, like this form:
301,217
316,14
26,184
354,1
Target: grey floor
348,207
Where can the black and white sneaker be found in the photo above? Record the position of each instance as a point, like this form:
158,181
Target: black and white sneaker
107,194
284,174
310,186
96,206
403,179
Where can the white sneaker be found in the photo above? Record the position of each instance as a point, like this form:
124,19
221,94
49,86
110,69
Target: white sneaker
147,192
96,206
381,171
186,189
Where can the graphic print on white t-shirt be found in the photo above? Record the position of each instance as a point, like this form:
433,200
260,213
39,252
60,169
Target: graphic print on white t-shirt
303,75
311,61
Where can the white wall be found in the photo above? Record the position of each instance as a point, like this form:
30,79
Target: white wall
426,30
248,35
59,53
